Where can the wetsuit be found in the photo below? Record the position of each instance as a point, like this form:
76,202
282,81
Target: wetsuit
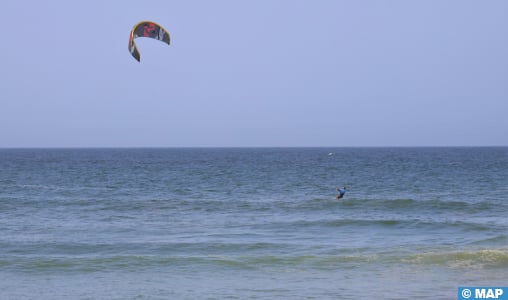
341,191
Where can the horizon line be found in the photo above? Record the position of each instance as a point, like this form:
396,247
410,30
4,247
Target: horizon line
244,147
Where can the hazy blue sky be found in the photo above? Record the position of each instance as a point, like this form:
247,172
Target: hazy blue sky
255,73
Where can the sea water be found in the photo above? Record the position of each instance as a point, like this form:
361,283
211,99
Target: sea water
252,223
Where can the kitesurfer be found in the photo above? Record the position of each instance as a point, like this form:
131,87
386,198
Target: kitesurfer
341,192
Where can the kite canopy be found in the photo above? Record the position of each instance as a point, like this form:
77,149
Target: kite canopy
147,29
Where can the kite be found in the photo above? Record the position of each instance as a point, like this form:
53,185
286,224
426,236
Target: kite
147,29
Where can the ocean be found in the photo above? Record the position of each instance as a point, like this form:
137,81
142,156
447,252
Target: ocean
252,223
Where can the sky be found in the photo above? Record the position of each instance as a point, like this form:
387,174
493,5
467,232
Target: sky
264,73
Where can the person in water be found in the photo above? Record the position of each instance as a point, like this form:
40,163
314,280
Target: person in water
341,192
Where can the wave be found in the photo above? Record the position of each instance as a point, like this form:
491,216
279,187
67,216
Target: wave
123,201
481,259
412,204
470,260
387,223
140,262
501,239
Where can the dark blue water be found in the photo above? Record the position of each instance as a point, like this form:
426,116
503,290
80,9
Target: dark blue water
257,223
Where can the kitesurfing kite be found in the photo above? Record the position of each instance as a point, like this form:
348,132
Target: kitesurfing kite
147,29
